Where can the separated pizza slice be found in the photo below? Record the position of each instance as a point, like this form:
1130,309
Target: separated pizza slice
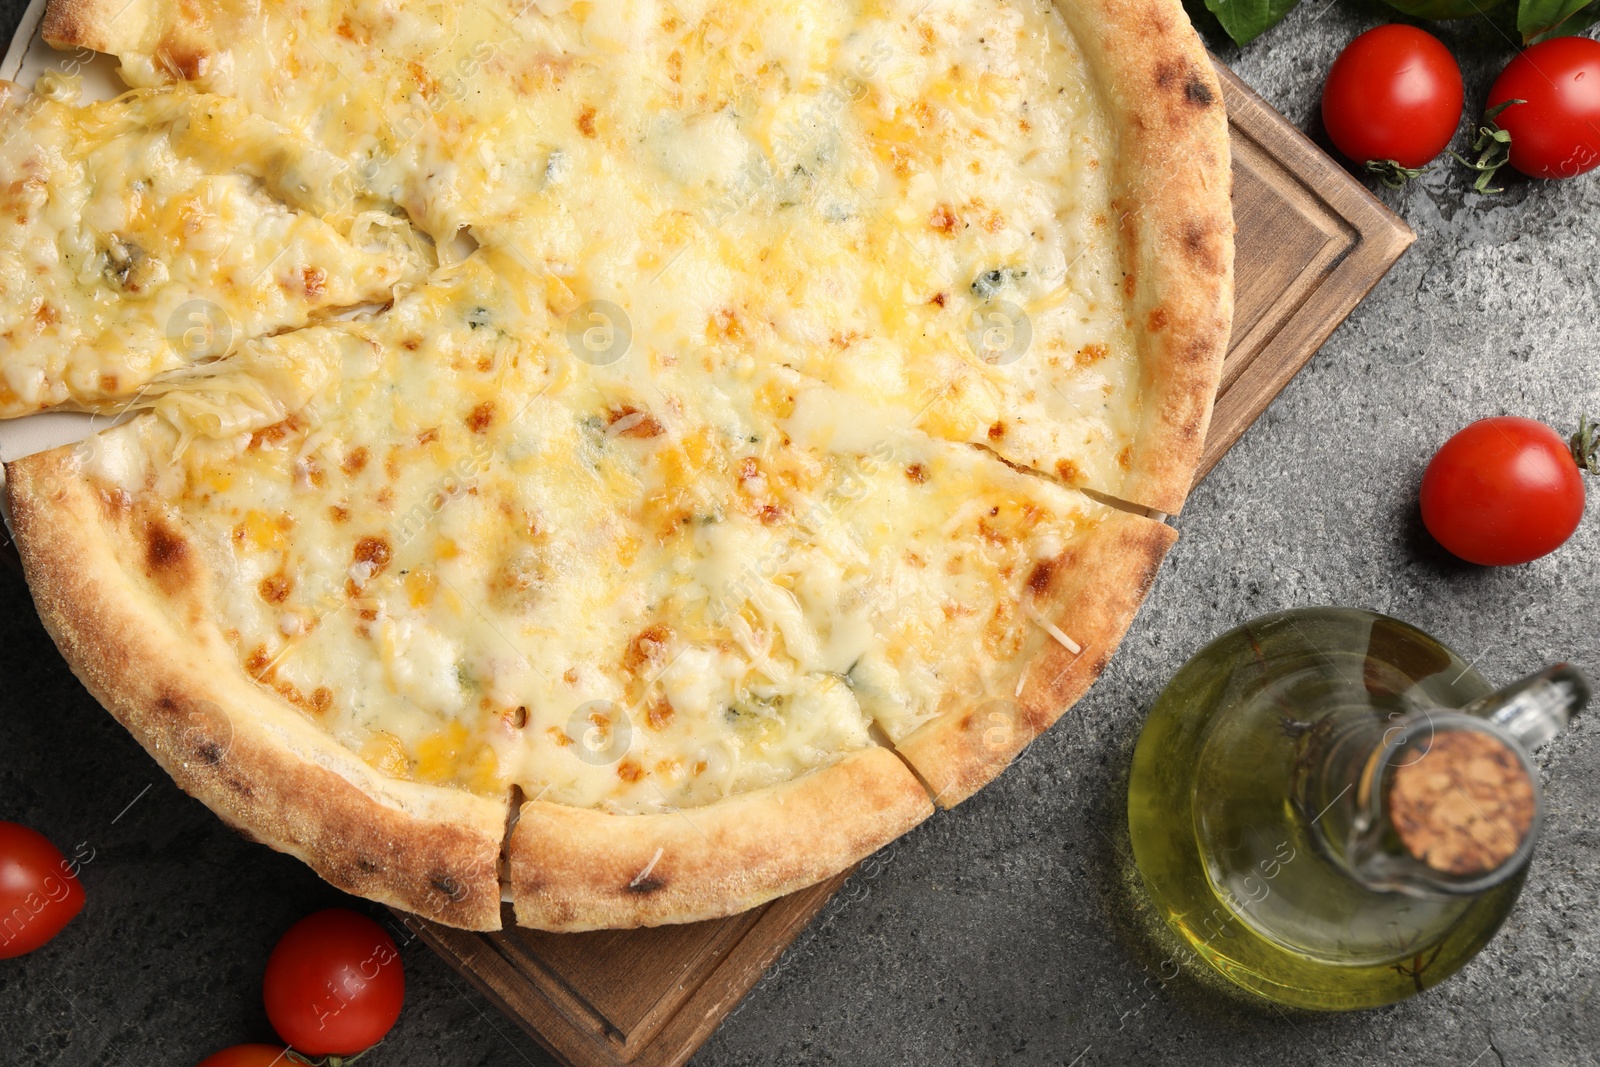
165,229
922,585
140,592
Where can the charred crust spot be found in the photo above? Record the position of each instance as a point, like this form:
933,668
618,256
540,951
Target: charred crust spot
479,418
1198,92
452,890
1168,74
166,555
1196,241
366,866
210,753
646,885
1039,579
164,548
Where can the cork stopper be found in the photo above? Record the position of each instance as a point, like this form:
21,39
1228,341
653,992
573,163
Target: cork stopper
1464,806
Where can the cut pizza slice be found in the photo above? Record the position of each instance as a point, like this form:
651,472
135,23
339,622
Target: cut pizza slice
133,600
929,588
1027,247
164,229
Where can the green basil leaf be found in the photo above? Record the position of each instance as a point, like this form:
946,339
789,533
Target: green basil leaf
1540,20
1245,20
1449,9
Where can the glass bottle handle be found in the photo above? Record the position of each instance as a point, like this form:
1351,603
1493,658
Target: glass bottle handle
1536,709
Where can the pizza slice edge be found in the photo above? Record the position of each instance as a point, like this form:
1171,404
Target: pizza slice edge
139,640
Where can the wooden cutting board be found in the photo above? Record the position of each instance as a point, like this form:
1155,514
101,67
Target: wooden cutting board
1311,243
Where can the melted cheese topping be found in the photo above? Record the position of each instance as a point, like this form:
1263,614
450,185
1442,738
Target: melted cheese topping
907,183
661,485
159,230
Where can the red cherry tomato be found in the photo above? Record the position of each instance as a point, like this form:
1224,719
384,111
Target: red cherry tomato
39,890
1394,93
1556,133
249,1056
1502,491
334,984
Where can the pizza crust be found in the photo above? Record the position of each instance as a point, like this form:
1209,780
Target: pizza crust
1090,593
99,25
579,869
251,757
1173,184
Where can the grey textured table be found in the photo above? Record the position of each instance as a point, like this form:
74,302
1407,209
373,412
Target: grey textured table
1002,932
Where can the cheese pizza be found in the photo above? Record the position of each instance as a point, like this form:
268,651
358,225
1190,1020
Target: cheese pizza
627,458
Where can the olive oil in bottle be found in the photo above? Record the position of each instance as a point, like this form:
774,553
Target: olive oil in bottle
1334,810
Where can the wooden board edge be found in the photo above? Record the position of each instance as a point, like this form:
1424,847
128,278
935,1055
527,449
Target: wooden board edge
588,1042
1382,238
744,966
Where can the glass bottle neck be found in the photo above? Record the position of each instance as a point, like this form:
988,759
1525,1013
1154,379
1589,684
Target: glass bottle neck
1470,822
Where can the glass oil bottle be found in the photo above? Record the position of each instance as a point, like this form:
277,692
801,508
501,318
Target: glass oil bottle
1336,811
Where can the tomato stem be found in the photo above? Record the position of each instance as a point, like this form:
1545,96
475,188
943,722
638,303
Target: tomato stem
327,1061
1391,173
1493,148
1586,445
